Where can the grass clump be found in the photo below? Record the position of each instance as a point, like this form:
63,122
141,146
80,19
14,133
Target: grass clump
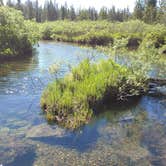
71,101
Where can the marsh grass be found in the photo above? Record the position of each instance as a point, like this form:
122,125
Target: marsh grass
71,100
104,33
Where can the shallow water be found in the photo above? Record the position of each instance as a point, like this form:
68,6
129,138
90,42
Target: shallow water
133,134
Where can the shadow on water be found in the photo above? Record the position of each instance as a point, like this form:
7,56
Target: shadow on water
87,136
26,159
154,139
81,140
155,107
116,108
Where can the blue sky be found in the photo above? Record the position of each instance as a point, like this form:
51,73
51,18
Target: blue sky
96,3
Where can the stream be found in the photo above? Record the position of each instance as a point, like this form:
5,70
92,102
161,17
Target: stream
128,134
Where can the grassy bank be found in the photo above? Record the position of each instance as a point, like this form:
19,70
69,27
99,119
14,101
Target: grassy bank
17,36
71,101
104,33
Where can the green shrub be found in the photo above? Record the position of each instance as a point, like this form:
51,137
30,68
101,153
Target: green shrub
47,33
155,36
16,39
95,38
162,50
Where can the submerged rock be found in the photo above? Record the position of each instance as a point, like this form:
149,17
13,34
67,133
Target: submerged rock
45,130
161,90
126,118
158,91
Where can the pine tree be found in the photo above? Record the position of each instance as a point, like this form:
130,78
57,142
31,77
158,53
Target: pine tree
72,13
150,11
139,10
93,15
161,16
83,14
112,14
30,14
103,14
1,3
9,3
19,5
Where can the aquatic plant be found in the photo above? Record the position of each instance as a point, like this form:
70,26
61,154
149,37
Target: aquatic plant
71,100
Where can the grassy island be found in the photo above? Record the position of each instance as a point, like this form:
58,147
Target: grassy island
71,101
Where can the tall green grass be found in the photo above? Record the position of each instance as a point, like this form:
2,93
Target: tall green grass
71,101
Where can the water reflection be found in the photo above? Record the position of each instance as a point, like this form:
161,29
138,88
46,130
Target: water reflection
155,107
21,64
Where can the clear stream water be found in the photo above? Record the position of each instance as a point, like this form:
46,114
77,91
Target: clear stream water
133,134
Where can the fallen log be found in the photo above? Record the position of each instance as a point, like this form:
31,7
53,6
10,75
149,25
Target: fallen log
157,81
157,87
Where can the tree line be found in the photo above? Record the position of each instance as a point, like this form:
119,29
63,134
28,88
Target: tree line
149,11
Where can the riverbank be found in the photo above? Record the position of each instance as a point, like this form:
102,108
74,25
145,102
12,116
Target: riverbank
105,33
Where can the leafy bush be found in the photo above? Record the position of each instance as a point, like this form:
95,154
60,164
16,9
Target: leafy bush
16,37
95,38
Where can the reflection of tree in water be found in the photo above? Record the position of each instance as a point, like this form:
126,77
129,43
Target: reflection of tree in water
20,64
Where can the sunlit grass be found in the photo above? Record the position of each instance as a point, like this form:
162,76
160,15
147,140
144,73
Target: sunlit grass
71,100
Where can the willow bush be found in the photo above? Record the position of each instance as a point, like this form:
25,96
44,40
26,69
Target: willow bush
17,36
